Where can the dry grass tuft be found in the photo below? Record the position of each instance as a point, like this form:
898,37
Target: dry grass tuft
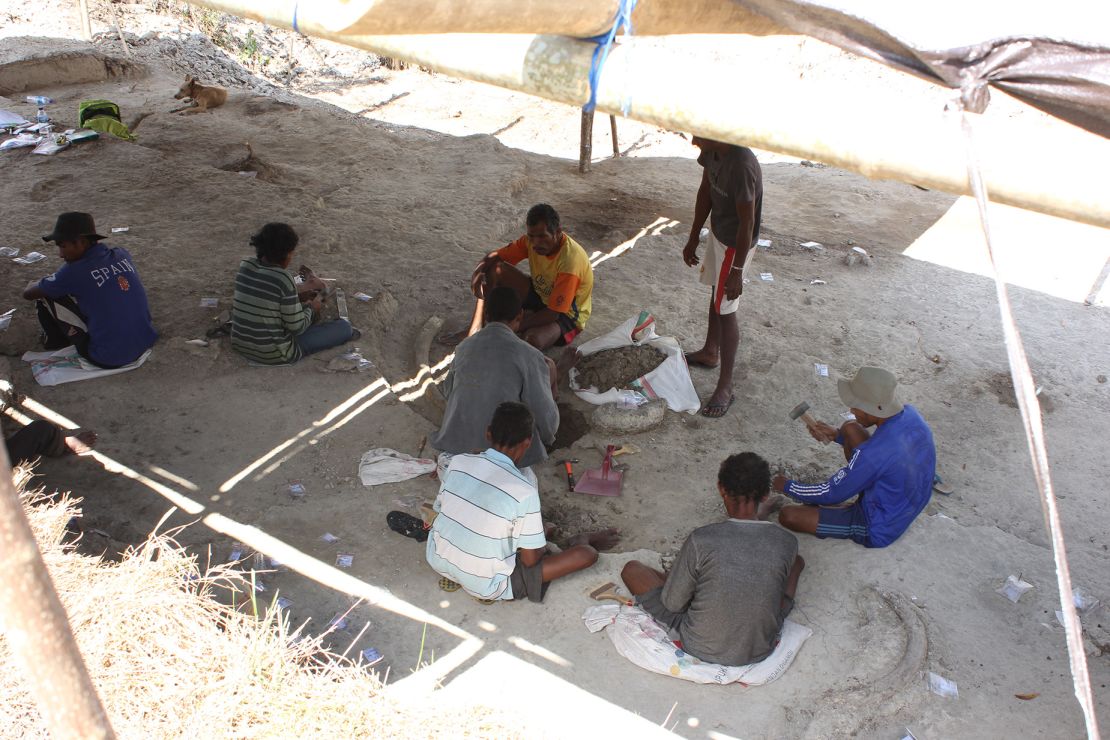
169,660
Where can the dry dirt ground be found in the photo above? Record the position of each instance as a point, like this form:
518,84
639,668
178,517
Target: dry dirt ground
388,205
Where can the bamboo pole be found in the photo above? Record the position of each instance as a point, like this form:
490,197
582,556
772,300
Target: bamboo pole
578,18
37,630
1031,162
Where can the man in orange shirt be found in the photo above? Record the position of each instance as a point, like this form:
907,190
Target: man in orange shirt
556,294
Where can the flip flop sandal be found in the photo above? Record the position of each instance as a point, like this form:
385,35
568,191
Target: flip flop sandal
940,486
223,330
699,363
407,525
720,410
450,586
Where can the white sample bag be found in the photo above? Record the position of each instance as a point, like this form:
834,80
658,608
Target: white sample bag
639,638
66,366
670,381
383,465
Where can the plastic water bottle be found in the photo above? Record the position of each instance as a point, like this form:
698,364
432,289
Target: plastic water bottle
41,116
630,400
39,100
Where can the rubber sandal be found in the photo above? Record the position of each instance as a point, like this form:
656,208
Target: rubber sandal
407,525
718,409
223,330
699,363
450,586
940,487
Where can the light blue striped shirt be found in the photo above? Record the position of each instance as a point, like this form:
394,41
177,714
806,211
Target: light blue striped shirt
488,509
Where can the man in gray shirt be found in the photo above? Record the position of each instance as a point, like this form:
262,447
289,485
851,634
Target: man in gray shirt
491,367
731,192
733,582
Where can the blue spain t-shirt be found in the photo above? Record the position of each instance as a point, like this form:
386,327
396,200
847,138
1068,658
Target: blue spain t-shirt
108,292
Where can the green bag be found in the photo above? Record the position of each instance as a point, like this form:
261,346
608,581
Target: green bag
103,116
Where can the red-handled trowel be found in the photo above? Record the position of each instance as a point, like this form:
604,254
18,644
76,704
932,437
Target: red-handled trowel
603,481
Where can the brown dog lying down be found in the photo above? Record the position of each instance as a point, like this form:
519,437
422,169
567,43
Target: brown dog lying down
203,96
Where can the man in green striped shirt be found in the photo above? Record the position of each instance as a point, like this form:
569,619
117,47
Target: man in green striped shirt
271,324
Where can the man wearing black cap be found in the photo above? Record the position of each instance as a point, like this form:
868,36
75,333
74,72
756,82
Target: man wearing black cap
95,301
891,469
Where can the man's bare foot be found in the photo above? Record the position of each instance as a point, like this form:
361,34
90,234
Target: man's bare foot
771,505
567,360
603,539
452,338
81,443
703,358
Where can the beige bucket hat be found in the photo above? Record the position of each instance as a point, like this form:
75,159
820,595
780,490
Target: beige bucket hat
872,390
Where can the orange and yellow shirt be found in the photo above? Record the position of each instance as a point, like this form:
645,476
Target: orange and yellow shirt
564,280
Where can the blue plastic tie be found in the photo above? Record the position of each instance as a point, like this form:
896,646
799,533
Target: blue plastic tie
296,6
604,44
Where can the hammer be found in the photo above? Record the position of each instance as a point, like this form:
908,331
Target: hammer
568,464
801,411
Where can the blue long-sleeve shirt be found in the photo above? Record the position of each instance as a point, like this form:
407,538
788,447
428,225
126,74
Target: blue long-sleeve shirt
892,472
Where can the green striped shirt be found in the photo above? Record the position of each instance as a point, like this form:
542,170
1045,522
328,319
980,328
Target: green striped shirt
266,315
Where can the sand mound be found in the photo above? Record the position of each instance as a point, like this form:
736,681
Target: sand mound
57,63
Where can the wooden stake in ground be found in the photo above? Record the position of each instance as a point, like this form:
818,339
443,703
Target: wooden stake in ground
613,129
586,147
35,624
127,49
86,25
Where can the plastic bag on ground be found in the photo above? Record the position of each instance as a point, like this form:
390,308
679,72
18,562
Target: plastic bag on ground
670,381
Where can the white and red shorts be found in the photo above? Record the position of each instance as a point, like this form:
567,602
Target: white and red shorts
716,264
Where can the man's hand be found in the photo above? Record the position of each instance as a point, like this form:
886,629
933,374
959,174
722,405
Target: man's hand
32,291
316,304
478,279
823,432
778,483
690,251
734,284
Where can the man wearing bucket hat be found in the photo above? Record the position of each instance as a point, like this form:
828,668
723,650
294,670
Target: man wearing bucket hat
95,301
891,469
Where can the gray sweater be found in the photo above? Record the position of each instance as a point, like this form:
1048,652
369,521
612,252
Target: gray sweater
493,366
727,583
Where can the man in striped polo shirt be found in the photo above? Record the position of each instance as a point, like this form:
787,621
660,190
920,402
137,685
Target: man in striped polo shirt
271,319
488,535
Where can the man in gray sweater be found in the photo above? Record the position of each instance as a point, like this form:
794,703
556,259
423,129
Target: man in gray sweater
491,367
733,582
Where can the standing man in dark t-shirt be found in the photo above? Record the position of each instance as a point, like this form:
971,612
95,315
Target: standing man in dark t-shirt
733,582
95,301
732,192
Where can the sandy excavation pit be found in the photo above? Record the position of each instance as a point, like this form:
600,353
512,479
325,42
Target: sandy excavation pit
617,368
